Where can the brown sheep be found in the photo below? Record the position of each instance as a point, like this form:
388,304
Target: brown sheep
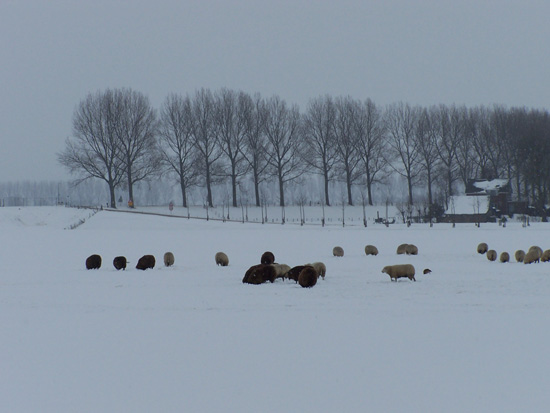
267,258
120,263
504,257
221,259
427,271
482,248
491,255
281,270
259,274
295,272
400,271
338,251
411,249
545,257
147,261
520,255
402,249
531,256
308,277
93,262
168,259
371,250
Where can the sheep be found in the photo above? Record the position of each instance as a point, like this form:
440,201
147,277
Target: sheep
320,268
294,272
168,259
520,255
491,255
147,261
537,249
308,277
267,258
93,262
504,257
411,249
531,256
120,263
281,270
545,257
371,250
402,249
482,248
259,274
426,271
338,251
400,271
221,259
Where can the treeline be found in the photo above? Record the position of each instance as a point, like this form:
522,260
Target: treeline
228,137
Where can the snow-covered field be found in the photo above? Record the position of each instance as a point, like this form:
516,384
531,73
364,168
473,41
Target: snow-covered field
471,336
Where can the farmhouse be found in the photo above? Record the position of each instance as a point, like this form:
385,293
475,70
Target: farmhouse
485,200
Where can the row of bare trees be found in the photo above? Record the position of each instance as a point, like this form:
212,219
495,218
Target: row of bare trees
211,137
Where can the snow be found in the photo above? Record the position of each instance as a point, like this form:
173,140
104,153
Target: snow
470,336
491,185
467,204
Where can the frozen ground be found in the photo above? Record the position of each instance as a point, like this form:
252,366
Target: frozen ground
471,336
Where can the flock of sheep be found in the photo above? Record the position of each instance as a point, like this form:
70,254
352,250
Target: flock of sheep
268,270
93,262
534,254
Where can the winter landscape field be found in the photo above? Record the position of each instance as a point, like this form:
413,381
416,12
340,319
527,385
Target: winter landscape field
471,336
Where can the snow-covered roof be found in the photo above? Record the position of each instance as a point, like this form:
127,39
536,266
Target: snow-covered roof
465,204
493,184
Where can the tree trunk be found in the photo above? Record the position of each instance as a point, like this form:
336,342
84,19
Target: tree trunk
112,194
327,201
257,188
208,188
183,192
409,183
281,191
348,184
234,185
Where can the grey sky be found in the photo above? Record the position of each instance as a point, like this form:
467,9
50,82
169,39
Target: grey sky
52,53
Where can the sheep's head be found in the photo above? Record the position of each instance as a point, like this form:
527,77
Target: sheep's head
385,270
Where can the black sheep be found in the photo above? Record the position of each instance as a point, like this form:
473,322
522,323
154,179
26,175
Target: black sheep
259,274
93,262
147,261
267,258
120,263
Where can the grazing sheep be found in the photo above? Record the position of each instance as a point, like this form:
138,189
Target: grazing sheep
491,255
168,259
221,259
482,248
259,274
504,257
538,250
545,257
531,256
371,250
402,249
147,261
411,249
267,258
426,271
308,277
520,255
281,270
120,263
400,271
338,251
320,268
294,272
93,262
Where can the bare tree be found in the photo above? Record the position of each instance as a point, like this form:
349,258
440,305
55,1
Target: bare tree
254,146
320,150
284,143
204,139
347,111
427,149
177,151
465,154
137,132
230,124
401,124
370,130
94,151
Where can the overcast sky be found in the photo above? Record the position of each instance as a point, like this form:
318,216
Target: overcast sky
53,53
